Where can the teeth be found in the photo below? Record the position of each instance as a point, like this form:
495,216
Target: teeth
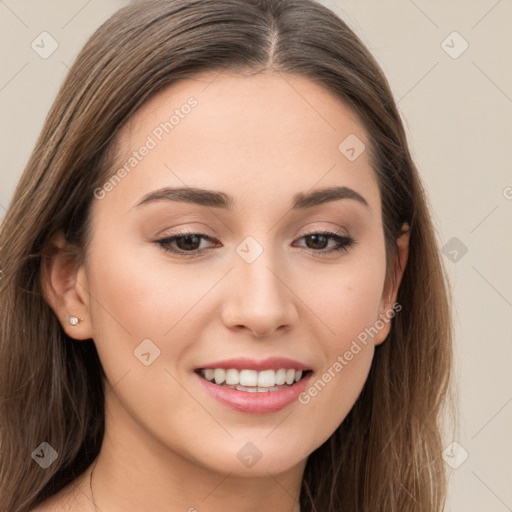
244,388
267,379
280,377
248,377
252,380
232,377
219,375
254,389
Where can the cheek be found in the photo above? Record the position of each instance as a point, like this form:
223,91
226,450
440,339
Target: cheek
134,298
140,293
356,306
345,299
333,391
347,353
349,306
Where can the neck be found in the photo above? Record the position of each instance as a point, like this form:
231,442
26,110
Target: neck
135,472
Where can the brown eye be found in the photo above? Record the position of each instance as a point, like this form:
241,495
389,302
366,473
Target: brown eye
184,243
188,242
318,242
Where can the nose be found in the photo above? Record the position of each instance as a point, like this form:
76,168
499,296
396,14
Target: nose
258,299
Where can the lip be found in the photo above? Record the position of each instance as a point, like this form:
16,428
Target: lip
255,403
270,363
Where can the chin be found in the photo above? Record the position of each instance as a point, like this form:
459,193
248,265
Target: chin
253,456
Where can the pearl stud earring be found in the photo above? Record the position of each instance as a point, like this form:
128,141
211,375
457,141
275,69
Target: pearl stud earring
73,320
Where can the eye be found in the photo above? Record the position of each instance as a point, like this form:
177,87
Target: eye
188,244
319,240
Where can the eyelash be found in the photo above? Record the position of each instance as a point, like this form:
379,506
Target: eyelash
344,241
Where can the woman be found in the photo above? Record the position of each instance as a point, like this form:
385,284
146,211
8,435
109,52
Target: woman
221,286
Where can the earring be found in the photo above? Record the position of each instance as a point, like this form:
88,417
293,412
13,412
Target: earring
73,320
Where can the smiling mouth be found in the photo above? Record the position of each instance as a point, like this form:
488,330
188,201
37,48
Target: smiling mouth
253,381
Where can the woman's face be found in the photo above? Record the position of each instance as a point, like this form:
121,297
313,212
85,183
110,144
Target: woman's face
256,290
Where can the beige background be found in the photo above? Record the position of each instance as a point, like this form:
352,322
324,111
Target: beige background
458,114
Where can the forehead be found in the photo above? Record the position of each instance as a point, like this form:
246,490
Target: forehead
243,133
291,102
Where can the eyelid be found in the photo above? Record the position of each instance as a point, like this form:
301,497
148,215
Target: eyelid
314,231
200,230
310,231
344,241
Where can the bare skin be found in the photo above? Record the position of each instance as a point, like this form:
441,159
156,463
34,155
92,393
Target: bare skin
168,444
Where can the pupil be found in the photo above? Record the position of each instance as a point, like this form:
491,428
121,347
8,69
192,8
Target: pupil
188,238
317,238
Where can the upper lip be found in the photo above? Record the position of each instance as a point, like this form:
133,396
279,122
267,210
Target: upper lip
270,363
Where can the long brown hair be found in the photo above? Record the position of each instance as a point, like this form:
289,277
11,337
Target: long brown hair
386,454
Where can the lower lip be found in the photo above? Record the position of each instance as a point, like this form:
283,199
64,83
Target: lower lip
256,402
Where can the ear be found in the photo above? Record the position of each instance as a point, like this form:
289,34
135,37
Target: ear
387,309
64,285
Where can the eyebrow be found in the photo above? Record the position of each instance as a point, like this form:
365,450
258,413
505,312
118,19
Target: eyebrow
212,198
